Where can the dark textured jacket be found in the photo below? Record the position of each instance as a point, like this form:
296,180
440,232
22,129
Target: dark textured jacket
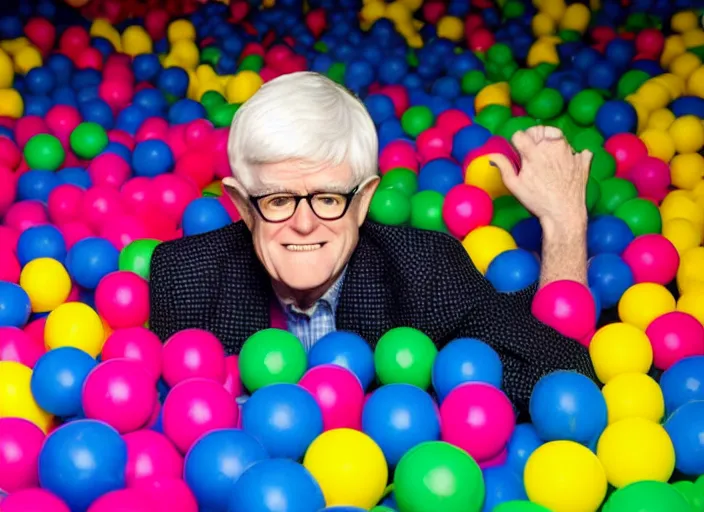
396,277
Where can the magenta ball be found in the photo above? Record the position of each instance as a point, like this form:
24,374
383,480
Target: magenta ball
194,407
75,231
121,393
478,418
20,444
652,258
193,353
452,121
433,143
26,214
8,238
121,137
399,97
10,154
18,346
176,140
150,455
651,176
33,500
27,127
35,330
116,93
122,299
123,230
10,268
109,169
499,460
233,383
62,120
132,500
64,203
398,153
8,192
172,494
134,194
674,336
566,306
100,205
152,128
172,194
218,146
138,344
196,166
198,133
466,208
339,394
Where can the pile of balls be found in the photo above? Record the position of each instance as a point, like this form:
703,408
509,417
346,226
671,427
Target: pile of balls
113,127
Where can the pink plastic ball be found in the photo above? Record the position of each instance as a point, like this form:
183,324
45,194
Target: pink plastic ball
218,145
100,205
20,444
35,330
674,336
33,500
122,299
152,128
399,97
123,230
124,500
71,160
90,58
196,166
194,407
433,143
233,383
398,153
10,154
193,353
499,460
172,194
8,238
138,344
465,208
121,137
10,268
27,127
159,226
116,93
8,190
197,134
177,140
566,306
277,55
74,294
109,170
64,203
172,494
150,455
26,214
452,121
339,394
62,120
121,393
627,149
651,176
18,346
478,418
135,194
75,231
652,259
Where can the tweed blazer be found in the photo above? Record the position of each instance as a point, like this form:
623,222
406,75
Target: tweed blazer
396,276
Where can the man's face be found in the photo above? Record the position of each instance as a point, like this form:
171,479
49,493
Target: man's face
306,253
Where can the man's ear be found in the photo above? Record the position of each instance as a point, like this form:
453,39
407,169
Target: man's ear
239,197
364,196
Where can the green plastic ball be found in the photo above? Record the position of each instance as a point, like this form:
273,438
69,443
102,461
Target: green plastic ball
500,53
548,103
514,9
137,257
221,115
211,99
584,106
271,356
336,72
508,212
437,476
692,493
492,117
545,69
412,58
44,152
416,120
400,179
630,82
525,84
641,215
426,211
88,140
588,138
647,496
593,193
473,82
515,124
569,36
320,46
519,506
390,207
210,55
405,355
566,124
603,165
614,192
252,62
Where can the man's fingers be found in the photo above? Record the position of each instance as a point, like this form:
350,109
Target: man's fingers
524,143
509,174
585,158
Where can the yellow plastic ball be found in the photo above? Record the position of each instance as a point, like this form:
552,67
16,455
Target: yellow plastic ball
693,38
16,400
674,84
674,47
179,30
242,86
659,143
576,17
451,27
635,449
564,476
653,95
691,270
135,41
340,456
7,70
680,204
542,25
695,83
27,59
487,177
692,303
684,65
413,5
493,94
485,243
620,348
684,21
74,324
542,52
185,54
633,395
11,103
554,8
47,283
398,13
687,133
211,85
12,46
102,28
644,302
193,85
415,41
373,11
682,233
660,119
642,115
687,170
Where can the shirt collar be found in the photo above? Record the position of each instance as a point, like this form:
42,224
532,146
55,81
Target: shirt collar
330,298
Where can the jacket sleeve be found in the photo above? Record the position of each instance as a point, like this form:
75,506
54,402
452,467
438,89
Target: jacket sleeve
162,316
528,348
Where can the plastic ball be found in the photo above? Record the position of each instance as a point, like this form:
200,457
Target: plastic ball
652,258
193,353
91,259
405,355
138,344
129,499
338,393
345,455
524,441
466,208
620,348
150,456
647,495
634,395
271,356
687,133
16,345
644,302
399,153
564,475
627,149
514,270
684,427
122,300
203,215
46,282
465,360
347,350
485,243
16,305
682,382
609,276
20,444
44,152
88,140
242,86
567,306
651,177
635,449
687,170
152,158
675,336
77,325
171,493
31,500
136,257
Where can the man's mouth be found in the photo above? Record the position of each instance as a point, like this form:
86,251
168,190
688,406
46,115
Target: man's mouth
304,247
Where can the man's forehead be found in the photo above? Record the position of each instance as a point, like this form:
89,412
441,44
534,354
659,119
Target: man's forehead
299,174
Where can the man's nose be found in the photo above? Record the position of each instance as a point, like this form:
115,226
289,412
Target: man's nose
303,219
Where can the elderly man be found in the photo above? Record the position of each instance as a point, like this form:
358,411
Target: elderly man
304,153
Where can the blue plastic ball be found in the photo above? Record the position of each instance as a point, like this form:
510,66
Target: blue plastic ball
91,259
465,360
392,70
104,46
15,307
607,233
514,270
501,485
650,67
683,382
688,105
686,430
345,349
35,105
440,175
468,138
204,214
524,441
131,118
173,81
64,95
585,59
185,111
62,66
97,111
446,87
602,75
36,185
609,276
151,158
120,150
151,101
86,78
620,52
380,108
40,80
41,242
389,131
614,117
528,234
75,176
146,67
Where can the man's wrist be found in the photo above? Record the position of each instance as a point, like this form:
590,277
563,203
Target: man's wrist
569,224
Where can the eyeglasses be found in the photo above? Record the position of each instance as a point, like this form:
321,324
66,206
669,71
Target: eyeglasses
280,206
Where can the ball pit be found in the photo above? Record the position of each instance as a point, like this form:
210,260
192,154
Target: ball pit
114,121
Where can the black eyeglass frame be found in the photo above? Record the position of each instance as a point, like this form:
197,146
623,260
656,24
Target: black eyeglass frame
349,196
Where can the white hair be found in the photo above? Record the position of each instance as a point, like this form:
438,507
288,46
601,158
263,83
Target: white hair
302,116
